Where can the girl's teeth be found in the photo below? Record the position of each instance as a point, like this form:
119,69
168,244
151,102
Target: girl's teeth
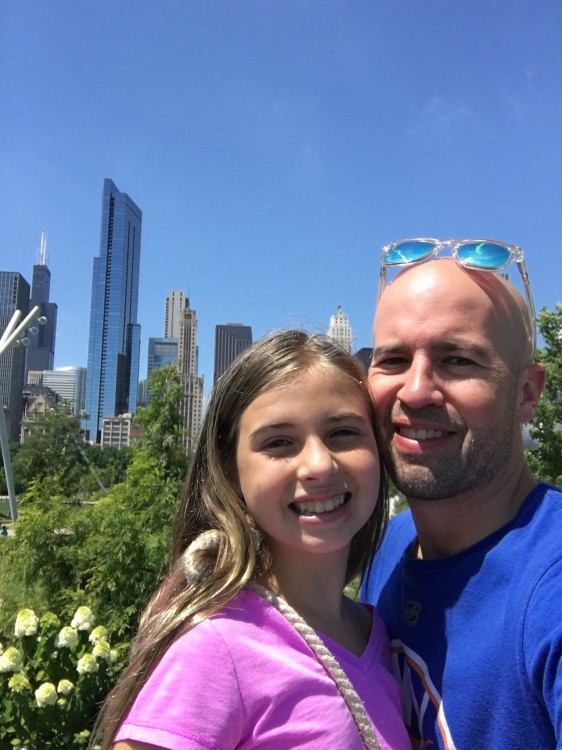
319,507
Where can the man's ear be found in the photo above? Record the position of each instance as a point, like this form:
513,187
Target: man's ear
532,381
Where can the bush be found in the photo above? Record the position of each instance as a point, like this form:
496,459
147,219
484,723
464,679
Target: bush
52,680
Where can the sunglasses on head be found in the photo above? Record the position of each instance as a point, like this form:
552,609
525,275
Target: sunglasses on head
479,255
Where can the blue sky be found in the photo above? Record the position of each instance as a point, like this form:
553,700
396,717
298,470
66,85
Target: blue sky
273,147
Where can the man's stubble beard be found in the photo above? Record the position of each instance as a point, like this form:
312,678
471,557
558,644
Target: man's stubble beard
457,472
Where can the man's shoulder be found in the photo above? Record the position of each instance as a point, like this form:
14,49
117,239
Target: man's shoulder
542,505
400,529
400,534
552,492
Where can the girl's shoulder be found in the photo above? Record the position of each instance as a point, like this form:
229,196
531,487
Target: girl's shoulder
245,620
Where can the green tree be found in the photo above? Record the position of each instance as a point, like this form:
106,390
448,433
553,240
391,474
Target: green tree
52,450
161,422
109,555
546,460
40,567
130,550
106,466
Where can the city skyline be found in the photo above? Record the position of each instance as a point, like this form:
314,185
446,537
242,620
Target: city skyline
275,147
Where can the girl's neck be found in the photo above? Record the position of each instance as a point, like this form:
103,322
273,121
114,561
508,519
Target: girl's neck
315,590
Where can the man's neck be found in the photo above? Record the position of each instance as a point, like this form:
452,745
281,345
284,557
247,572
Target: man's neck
451,525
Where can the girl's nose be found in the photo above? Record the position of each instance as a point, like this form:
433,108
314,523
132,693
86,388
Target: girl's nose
316,460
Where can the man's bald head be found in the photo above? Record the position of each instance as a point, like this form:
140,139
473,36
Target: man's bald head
487,298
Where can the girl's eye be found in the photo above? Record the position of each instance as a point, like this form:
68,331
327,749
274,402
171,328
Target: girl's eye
276,444
344,433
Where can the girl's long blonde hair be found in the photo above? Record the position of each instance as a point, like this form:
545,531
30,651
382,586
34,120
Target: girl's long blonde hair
216,568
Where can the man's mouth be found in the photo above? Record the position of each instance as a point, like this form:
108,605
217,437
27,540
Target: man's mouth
317,507
416,434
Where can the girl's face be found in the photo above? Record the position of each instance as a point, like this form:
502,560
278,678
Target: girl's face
307,463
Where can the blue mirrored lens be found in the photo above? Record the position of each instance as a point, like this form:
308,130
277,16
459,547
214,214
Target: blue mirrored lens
408,252
483,255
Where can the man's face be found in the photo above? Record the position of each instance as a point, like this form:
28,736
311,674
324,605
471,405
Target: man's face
443,392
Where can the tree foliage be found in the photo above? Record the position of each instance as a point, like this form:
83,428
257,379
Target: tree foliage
50,451
55,449
108,554
161,422
546,460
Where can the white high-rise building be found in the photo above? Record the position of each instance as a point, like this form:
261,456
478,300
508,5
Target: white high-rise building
340,329
176,302
69,383
192,384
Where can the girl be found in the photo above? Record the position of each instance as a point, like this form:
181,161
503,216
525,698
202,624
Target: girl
249,641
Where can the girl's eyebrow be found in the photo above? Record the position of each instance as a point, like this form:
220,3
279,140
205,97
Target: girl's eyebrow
269,426
332,419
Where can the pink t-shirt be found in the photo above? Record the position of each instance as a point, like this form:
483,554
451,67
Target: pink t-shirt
244,678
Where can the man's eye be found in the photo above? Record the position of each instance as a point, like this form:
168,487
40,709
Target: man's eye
460,361
395,361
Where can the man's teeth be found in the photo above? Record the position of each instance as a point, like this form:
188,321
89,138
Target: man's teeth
413,434
319,506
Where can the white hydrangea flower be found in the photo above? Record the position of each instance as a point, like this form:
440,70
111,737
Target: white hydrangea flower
19,683
67,638
114,655
65,687
83,619
11,660
87,664
99,633
26,623
102,650
46,695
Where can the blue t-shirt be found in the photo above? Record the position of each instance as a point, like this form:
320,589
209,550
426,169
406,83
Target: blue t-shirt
476,637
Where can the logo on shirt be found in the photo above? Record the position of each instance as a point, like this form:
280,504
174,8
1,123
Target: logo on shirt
412,612
424,712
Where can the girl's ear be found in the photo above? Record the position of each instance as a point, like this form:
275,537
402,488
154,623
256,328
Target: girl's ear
231,475
531,385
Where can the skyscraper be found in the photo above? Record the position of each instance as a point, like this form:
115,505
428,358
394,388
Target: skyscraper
69,383
14,295
114,344
340,329
365,355
230,340
175,304
192,384
161,353
40,353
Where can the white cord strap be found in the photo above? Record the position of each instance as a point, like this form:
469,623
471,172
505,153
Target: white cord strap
328,660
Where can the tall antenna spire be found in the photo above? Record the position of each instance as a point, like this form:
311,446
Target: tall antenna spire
43,250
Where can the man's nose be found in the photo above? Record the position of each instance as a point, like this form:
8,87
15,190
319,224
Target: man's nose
421,386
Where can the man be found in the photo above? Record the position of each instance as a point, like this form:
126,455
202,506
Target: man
469,583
